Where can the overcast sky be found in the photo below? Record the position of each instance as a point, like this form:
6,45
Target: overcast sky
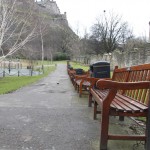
81,14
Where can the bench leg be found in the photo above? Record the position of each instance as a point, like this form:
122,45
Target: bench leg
95,110
90,100
75,86
121,118
104,130
80,90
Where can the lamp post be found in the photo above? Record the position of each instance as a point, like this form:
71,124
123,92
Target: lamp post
149,32
18,63
9,66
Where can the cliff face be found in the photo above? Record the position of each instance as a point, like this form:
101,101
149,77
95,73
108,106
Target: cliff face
44,6
57,37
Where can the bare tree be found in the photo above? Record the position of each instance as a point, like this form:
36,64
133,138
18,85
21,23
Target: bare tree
16,26
43,31
110,31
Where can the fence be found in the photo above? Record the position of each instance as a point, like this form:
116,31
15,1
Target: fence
18,72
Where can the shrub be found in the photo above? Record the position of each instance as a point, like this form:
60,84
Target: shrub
61,56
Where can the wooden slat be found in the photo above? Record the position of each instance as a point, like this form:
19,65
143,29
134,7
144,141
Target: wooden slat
146,78
127,137
134,102
101,93
96,96
86,83
128,92
142,96
140,67
124,107
128,104
147,99
137,93
136,78
116,106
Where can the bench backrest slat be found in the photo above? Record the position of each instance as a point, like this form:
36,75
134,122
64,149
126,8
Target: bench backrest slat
134,74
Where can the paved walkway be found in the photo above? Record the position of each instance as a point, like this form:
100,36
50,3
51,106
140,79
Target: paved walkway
49,115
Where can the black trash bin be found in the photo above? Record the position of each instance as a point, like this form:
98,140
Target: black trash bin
100,69
79,71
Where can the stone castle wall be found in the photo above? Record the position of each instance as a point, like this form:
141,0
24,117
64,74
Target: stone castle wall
50,5
51,8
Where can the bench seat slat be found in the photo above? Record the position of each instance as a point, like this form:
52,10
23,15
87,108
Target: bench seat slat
101,93
122,102
115,106
86,83
130,106
124,107
133,102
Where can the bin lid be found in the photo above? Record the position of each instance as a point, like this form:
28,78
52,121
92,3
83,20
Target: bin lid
100,63
79,69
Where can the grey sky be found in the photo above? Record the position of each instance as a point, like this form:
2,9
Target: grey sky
82,14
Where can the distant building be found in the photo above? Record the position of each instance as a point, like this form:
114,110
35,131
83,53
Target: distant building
52,8
49,5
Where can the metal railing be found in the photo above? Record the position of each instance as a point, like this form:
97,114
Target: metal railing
20,72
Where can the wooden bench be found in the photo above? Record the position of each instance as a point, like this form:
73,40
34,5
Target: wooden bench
84,83
81,83
75,79
127,94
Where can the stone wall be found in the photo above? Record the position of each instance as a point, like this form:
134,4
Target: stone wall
120,59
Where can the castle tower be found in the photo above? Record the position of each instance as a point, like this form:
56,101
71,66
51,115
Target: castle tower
50,5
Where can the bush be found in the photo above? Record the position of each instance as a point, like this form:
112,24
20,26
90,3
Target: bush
61,56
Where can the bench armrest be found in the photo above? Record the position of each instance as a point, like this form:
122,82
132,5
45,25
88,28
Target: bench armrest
107,84
80,77
93,80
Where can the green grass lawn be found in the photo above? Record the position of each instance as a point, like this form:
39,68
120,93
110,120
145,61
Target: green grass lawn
78,65
10,84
